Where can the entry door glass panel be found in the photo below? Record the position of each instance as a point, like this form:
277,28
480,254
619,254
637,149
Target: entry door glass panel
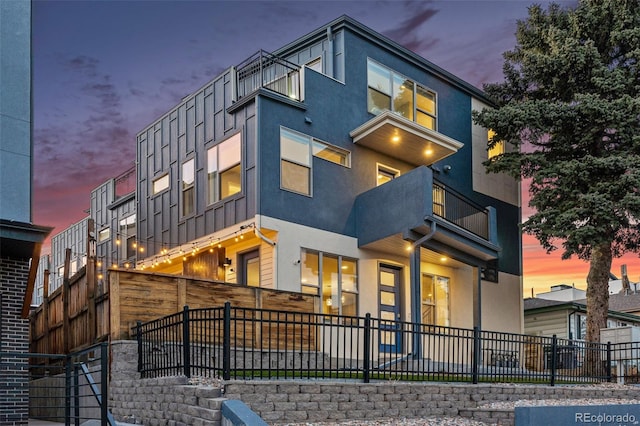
251,268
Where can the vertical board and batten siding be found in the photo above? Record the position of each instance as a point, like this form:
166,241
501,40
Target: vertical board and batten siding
74,238
198,123
106,215
547,324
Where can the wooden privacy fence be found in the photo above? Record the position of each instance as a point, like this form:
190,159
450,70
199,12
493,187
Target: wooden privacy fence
131,296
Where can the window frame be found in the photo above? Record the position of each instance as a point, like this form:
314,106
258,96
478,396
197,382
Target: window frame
393,77
388,170
497,149
215,196
187,187
318,287
311,143
155,192
435,305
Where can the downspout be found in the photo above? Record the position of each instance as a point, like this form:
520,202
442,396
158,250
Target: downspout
414,274
272,243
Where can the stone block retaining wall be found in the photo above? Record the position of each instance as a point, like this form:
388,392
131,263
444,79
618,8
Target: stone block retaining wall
279,401
171,401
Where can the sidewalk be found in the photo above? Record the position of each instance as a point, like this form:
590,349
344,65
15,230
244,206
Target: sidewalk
35,422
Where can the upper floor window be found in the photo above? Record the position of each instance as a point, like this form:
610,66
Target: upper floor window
296,151
385,174
315,64
188,187
160,184
224,173
128,236
104,234
497,148
333,277
388,90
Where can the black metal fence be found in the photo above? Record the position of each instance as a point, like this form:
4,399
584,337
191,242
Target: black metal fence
70,389
247,343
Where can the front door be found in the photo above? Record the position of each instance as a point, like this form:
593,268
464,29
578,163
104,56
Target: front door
250,268
389,308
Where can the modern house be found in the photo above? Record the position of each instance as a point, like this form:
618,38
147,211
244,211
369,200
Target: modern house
342,165
20,239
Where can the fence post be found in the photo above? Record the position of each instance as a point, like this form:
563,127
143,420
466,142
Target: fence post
186,344
554,355
76,395
609,378
139,339
226,342
366,362
67,390
104,383
476,354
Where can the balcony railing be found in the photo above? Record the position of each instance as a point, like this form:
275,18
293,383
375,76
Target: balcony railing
456,209
265,70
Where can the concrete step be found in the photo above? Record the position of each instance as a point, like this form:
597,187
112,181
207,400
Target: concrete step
502,417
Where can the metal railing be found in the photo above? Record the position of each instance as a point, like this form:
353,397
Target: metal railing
61,388
265,70
455,208
244,343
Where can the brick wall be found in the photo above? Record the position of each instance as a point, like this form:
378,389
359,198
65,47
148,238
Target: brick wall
14,337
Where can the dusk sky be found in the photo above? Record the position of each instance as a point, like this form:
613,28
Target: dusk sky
103,70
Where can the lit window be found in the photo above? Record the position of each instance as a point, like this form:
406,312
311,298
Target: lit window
296,151
104,234
188,187
385,174
331,153
390,91
334,278
224,173
128,236
160,184
438,194
497,148
435,300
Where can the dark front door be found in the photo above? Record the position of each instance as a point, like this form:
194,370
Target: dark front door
389,308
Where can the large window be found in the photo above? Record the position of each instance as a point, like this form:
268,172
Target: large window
296,152
334,278
390,91
188,187
224,173
435,300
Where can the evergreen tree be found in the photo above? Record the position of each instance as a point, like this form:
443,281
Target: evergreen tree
570,105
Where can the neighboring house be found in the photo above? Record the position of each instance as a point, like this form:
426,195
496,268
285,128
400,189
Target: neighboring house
568,319
342,165
20,239
112,207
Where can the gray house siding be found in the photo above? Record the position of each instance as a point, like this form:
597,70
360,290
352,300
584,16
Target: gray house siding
198,123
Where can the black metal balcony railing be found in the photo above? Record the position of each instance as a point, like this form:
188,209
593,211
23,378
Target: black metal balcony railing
456,209
265,70
245,343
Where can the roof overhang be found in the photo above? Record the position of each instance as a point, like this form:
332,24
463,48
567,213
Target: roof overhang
394,135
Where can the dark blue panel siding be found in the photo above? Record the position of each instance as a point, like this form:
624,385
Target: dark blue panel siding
335,109
192,127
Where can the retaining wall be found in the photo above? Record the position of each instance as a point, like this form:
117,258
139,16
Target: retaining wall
171,401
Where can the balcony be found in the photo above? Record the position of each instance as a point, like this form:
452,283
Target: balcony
394,135
264,70
411,204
